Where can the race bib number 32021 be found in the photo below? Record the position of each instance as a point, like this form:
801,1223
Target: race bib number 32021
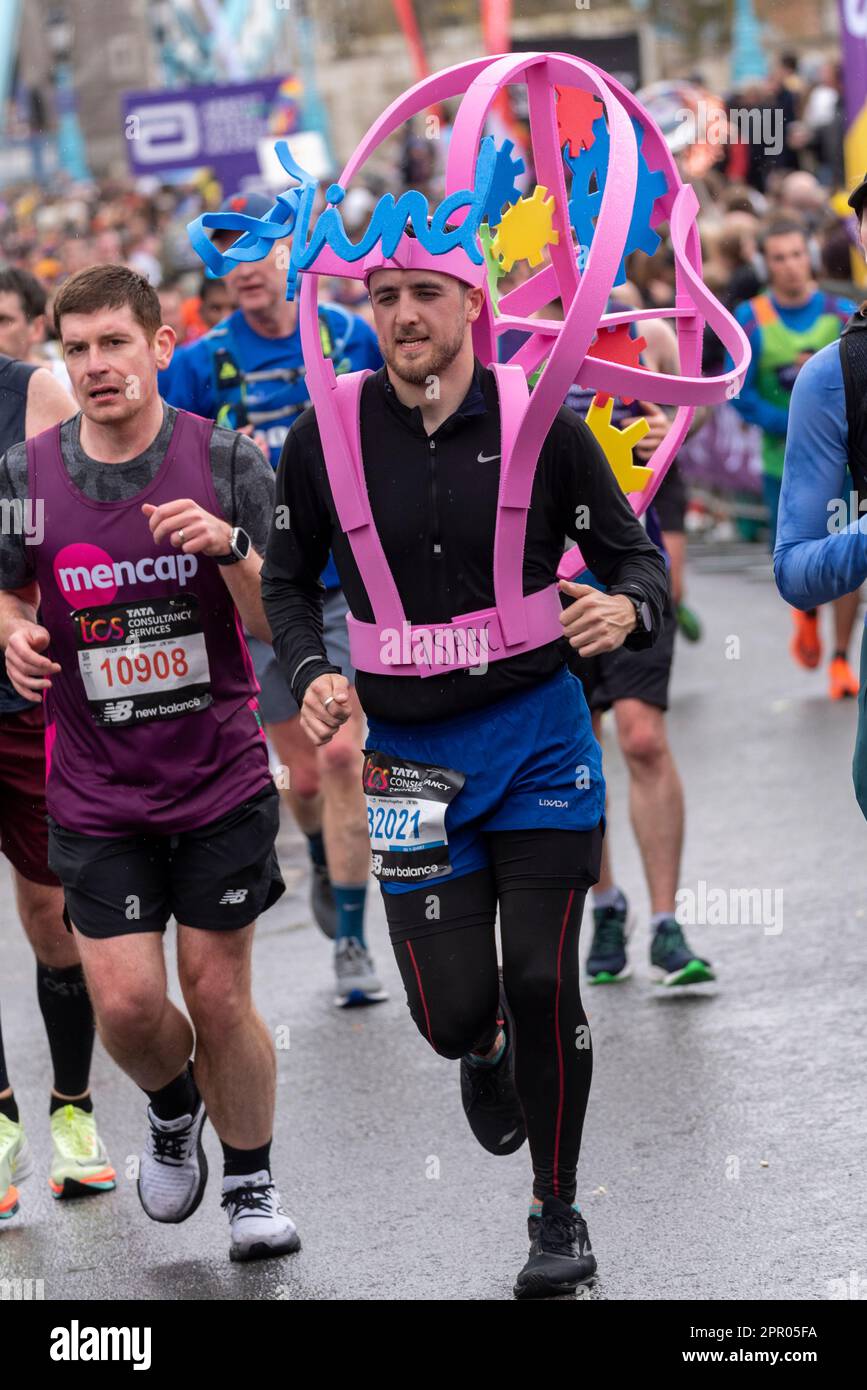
143,661
406,817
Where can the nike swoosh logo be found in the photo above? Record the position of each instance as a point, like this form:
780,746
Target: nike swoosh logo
506,1137
487,458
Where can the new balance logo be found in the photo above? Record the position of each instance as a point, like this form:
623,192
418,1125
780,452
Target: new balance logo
116,711
233,896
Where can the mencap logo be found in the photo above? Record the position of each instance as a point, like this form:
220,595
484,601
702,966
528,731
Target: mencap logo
86,574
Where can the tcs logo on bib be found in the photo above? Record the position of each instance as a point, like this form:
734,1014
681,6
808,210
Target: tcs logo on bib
376,779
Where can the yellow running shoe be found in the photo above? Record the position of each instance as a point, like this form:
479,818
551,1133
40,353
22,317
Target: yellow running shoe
15,1162
80,1163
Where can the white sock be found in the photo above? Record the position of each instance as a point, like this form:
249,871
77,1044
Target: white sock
610,897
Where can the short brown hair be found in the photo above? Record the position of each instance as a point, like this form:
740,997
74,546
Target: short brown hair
109,287
31,294
783,226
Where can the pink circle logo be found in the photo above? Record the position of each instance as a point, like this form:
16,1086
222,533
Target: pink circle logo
84,574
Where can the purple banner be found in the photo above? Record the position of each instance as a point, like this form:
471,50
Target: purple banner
853,35
853,38
217,128
725,453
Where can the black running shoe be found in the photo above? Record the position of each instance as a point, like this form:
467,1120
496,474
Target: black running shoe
674,964
607,962
490,1100
560,1254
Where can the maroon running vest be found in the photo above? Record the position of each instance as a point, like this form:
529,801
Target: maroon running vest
151,724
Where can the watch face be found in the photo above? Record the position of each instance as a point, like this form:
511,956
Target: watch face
241,543
644,615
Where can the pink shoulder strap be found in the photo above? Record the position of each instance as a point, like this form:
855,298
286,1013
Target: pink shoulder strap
517,470
340,432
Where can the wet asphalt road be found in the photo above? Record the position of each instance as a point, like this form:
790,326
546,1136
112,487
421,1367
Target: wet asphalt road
724,1143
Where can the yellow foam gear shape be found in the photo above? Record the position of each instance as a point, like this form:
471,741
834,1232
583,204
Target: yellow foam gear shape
617,445
525,229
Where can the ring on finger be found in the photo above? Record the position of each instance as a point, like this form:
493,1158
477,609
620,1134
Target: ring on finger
326,703
182,536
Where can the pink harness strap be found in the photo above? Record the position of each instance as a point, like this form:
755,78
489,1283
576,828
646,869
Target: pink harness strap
517,470
434,649
515,624
341,443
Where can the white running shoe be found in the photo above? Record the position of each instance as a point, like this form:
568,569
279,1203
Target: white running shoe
356,979
16,1162
258,1225
173,1169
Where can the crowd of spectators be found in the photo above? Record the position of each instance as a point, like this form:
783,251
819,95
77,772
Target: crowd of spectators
48,233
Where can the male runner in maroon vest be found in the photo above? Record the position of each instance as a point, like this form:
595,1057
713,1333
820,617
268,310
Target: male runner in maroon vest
160,800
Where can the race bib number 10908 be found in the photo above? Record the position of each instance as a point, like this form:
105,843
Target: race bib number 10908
143,661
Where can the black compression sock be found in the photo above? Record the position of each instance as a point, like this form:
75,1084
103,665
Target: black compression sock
838,655
9,1108
58,1102
68,1018
237,1163
179,1097
316,845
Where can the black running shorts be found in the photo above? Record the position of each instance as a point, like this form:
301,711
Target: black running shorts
670,501
625,675
219,877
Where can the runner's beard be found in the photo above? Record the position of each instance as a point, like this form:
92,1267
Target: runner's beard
443,356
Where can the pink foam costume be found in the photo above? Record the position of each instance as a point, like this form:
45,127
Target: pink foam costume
517,622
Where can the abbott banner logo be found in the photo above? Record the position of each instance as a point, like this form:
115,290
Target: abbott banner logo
86,574
163,131
77,1343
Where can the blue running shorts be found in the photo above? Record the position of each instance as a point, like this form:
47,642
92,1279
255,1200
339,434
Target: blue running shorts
530,762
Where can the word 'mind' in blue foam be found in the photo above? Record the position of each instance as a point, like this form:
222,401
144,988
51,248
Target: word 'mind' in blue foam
293,210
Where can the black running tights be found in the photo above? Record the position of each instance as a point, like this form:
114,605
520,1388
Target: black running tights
444,941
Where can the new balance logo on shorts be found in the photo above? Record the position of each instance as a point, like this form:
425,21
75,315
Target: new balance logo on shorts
233,895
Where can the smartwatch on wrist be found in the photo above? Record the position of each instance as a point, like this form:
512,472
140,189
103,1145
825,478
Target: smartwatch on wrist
643,619
239,548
